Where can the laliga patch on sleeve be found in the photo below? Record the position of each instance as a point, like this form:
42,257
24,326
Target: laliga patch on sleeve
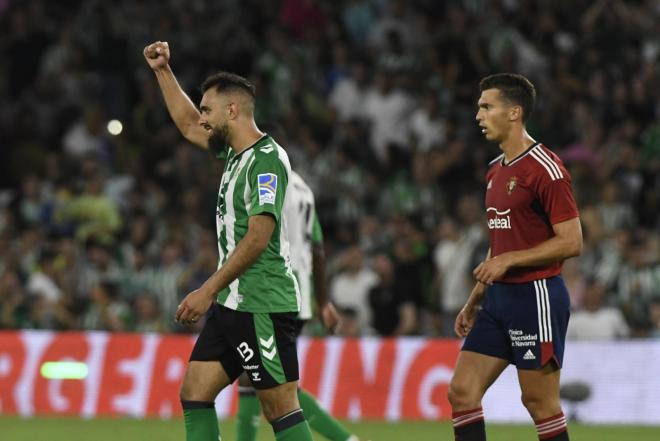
267,183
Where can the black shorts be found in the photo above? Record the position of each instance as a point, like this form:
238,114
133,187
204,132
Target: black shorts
261,344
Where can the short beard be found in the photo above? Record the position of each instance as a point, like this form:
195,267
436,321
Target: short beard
219,139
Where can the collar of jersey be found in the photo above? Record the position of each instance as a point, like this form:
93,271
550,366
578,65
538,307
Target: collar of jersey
257,142
519,156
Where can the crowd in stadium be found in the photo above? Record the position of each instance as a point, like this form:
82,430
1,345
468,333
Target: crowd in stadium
376,101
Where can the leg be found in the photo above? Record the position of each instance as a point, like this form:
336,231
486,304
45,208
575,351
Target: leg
201,384
249,410
473,375
321,421
282,409
212,367
540,395
539,363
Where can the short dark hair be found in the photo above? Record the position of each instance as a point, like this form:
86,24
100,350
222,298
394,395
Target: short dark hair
226,81
515,88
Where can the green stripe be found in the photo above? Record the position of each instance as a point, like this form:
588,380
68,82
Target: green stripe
263,327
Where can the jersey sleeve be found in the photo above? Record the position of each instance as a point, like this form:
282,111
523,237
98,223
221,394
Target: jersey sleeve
556,197
268,181
317,232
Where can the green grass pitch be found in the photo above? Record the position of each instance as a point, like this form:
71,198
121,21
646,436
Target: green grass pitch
72,429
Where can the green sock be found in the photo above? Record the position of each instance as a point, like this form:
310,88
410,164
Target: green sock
292,427
320,420
201,421
248,417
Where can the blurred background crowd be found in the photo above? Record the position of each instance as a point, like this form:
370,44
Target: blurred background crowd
376,100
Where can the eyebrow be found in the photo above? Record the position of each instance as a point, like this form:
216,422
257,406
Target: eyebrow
204,109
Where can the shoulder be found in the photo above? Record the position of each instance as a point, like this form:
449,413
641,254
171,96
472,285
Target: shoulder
545,165
270,152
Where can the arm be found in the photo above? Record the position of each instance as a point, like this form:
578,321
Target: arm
181,109
467,315
566,243
248,250
329,316
407,319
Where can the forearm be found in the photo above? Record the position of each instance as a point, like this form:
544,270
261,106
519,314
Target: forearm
553,250
246,253
181,108
318,274
476,296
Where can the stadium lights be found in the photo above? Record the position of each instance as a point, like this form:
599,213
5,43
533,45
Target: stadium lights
115,127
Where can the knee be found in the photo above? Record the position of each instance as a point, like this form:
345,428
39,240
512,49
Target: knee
540,406
462,396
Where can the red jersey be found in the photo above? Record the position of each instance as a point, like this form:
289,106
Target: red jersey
524,198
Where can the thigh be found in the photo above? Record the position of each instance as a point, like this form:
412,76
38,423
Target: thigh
540,391
266,344
488,335
474,373
279,400
542,382
539,312
203,381
213,343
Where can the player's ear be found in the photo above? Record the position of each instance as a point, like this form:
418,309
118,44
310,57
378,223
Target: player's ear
515,113
233,110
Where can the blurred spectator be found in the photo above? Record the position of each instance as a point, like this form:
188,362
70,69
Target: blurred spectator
350,287
595,321
107,312
377,99
148,316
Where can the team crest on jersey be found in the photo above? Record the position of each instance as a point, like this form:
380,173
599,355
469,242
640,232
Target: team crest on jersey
267,183
512,184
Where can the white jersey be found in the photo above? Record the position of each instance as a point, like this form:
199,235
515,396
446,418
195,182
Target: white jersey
303,230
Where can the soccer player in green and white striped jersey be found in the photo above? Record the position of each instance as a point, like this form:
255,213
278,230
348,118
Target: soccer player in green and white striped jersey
252,326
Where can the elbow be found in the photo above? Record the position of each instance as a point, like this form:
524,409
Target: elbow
575,248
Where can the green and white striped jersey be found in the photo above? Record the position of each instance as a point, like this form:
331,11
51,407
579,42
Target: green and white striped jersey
255,182
304,230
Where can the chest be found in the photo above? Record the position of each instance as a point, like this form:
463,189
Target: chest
508,188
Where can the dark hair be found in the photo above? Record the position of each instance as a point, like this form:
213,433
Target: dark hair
514,88
226,81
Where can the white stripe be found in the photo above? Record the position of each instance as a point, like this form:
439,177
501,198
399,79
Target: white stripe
547,302
230,222
469,415
285,250
551,425
538,311
248,187
496,159
551,161
469,420
559,425
545,165
543,313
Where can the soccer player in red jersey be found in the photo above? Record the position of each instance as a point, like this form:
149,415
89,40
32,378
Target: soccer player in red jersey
518,310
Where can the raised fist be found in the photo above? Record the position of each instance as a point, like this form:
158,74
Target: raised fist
157,54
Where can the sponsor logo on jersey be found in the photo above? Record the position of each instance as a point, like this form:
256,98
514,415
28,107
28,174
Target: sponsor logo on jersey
267,184
501,221
529,355
521,340
511,185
